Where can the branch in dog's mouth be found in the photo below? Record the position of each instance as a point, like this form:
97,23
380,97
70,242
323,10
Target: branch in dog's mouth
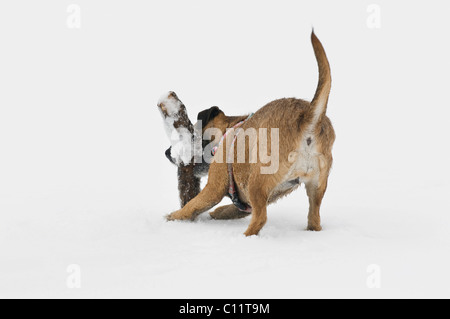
179,128
181,133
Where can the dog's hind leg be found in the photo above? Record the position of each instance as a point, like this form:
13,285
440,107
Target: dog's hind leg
316,192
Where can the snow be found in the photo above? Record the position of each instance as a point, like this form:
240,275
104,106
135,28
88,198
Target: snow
181,139
84,180
126,249
171,104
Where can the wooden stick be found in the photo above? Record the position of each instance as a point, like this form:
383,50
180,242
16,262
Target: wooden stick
178,125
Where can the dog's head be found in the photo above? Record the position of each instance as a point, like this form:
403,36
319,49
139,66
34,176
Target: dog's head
210,118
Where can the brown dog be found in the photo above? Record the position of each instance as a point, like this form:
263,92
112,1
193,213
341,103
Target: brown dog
304,153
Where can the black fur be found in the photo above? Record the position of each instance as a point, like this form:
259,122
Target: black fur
169,155
207,116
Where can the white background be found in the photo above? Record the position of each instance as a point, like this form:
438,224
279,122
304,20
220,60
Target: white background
84,179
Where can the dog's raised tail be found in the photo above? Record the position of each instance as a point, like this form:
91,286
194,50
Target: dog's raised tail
320,101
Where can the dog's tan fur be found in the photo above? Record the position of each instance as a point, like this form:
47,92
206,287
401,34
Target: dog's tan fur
306,141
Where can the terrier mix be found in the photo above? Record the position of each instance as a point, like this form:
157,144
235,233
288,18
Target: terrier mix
304,152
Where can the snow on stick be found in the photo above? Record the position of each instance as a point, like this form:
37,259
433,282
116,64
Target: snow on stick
180,131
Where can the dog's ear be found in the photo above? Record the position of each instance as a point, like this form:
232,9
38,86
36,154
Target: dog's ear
207,116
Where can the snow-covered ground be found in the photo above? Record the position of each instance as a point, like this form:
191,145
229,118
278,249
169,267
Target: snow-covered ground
84,181
125,251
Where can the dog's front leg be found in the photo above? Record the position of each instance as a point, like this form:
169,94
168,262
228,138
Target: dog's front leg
258,201
228,212
259,219
209,197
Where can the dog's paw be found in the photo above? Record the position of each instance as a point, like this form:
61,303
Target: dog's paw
249,234
178,215
173,217
315,228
